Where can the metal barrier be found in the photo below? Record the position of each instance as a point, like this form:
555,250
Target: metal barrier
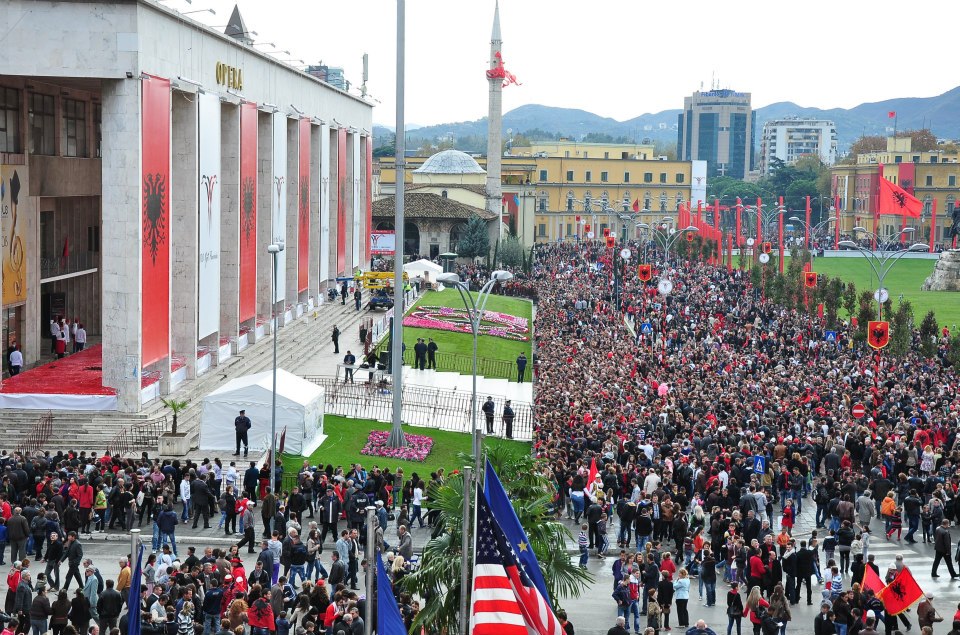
426,407
463,364
138,437
38,436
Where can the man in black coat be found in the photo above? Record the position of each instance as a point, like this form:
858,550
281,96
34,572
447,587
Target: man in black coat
420,354
201,496
242,426
488,412
508,417
251,479
109,606
805,569
329,516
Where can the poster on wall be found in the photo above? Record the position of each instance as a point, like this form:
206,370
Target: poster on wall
369,185
303,200
341,201
248,211
382,243
155,220
324,203
357,217
698,184
208,164
13,202
279,220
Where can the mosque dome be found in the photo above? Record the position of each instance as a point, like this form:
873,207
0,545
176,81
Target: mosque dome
450,162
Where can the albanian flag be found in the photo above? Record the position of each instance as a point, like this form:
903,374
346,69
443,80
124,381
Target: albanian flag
872,581
901,593
896,200
878,334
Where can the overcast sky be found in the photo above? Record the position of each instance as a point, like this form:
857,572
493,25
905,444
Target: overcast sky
618,58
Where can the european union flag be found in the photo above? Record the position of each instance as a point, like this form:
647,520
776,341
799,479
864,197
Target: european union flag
506,517
516,200
389,621
133,599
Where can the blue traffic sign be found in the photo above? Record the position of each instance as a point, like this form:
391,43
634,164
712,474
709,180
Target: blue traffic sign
646,328
760,464
830,336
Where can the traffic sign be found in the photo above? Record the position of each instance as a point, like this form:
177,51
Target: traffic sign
760,464
858,411
646,328
830,336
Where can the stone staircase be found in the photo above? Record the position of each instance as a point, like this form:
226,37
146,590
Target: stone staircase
302,339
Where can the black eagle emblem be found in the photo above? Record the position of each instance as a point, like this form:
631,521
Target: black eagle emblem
154,215
900,199
897,589
304,201
248,203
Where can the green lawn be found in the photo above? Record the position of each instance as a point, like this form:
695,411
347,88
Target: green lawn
906,277
346,437
489,347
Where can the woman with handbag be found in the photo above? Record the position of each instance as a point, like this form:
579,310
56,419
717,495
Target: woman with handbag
734,609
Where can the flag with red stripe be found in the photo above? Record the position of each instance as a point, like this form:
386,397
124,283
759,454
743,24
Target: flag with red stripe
504,600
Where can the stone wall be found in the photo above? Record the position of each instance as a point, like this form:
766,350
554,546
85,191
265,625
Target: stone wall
946,274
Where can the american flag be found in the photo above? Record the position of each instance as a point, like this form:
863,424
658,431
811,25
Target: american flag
504,600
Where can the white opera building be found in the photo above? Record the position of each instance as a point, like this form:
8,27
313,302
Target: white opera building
146,162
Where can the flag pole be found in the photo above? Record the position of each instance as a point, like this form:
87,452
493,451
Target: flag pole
933,224
465,549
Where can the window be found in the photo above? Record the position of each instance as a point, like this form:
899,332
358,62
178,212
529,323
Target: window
588,176
542,204
604,177
543,175
929,180
74,128
916,158
587,201
93,238
566,154
663,202
9,120
663,177
542,230
626,201
648,177
569,201
898,159
680,177
951,181
97,128
626,177
951,204
586,154
569,229
606,155
569,175
42,124
646,202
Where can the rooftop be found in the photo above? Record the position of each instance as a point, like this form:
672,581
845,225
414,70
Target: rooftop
425,205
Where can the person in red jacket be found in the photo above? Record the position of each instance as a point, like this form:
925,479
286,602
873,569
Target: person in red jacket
755,570
754,601
85,499
260,617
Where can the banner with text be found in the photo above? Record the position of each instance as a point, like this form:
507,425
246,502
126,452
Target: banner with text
208,163
383,243
248,211
369,186
155,220
279,219
14,189
341,201
698,184
324,203
303,221
356,251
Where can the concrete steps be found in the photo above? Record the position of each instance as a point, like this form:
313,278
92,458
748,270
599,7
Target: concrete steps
300,340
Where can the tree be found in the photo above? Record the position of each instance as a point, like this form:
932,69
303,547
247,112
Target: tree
176,406
868,144
475,240
901,329
511,252
850,299
922,140
953,351
865,313
928,334
833,290
438,576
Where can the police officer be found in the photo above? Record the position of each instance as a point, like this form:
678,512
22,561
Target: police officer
508,419
242,424
488,409
432,349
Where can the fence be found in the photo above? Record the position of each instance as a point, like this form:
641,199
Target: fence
426,407
463,364
138,437
38,436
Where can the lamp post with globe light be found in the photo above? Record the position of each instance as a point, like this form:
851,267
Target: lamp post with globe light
882,264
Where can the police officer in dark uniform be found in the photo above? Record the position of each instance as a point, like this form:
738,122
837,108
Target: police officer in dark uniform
508,419
242,424
488,408
432,349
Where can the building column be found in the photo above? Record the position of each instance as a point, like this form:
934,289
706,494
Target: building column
184,193
356,201
121,237
314,280
293,216
333,187
229,221
265,189
326,222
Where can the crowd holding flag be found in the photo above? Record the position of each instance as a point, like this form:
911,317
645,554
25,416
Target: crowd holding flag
389,621
902,592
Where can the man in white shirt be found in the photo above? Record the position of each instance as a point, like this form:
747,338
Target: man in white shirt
80,338
16,361
185,497
54,336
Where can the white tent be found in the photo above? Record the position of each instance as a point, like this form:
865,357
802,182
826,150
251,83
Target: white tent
424,269
300,409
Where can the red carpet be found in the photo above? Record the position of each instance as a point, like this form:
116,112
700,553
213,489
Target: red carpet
72,383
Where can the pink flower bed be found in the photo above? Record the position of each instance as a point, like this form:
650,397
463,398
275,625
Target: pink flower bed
509,327
418,446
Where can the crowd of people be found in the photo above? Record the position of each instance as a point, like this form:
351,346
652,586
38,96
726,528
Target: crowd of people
675,415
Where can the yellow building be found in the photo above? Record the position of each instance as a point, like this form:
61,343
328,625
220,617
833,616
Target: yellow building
930,176
548,193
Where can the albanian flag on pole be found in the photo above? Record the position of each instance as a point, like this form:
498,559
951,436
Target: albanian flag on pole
901,593
894,199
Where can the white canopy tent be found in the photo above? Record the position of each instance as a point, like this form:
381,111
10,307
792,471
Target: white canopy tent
300,409
424,269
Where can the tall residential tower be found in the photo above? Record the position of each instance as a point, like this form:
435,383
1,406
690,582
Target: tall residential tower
717,126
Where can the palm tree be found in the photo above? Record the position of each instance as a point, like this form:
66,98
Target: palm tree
176,406
531,491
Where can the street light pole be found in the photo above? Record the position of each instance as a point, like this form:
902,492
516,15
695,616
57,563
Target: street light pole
882,265
275,250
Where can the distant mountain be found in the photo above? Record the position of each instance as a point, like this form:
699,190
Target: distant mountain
940,113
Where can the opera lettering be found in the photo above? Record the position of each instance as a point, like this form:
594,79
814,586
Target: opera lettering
229,76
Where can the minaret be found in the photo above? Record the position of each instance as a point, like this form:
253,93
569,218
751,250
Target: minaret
495,124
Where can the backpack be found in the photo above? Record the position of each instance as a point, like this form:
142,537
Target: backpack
38,525
768,623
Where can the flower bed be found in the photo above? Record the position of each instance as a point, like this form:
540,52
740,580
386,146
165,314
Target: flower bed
509,327
418,446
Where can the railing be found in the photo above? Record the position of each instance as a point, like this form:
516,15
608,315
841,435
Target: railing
138,437
463,364
50,267
38,436
427,407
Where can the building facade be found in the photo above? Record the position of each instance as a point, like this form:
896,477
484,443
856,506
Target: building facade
718,127
146,162
790,139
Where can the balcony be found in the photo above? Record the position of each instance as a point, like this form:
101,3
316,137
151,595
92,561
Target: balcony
60,267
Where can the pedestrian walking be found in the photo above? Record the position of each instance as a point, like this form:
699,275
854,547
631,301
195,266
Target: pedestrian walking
242,426
335,337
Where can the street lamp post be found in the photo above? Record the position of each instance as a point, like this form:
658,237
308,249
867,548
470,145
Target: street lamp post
811,230
275,250
668,240
882,264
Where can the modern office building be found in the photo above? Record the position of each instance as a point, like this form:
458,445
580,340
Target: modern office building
146,162
793,138
718,127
